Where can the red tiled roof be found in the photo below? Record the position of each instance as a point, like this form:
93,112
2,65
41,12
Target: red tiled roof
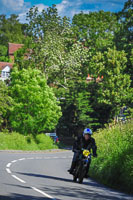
4,64
13,47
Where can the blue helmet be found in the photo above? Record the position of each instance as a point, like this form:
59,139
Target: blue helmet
87,131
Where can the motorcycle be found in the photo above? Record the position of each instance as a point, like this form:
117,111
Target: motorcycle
81,166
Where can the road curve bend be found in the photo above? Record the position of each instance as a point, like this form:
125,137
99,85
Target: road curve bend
43,176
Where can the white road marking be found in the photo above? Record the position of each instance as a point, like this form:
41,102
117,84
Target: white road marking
8,165
22,181
38,157
14,161
43,193
8,170
47,158
22,159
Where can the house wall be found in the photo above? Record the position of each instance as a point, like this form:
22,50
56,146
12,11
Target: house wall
5,73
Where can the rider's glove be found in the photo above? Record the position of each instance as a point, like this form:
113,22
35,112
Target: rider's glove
76,150
95,155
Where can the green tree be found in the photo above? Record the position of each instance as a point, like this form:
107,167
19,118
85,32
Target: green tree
64,66
96,29
113,90
11,30
4,54
84,108
35,106
124,36
65,69
65,58
77,109
5,104
46,21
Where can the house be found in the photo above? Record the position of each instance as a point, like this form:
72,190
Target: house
12,48
5,67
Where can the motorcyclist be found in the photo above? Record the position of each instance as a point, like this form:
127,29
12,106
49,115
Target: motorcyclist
84,141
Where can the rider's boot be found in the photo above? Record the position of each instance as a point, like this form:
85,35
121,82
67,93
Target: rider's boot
72,167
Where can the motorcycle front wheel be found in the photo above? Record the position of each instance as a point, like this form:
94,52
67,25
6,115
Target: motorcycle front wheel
81,175
81,179
74,178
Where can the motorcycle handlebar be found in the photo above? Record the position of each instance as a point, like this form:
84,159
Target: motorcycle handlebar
79,151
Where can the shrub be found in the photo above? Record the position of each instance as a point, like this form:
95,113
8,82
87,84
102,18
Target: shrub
115,157
16,141
45,142
35,106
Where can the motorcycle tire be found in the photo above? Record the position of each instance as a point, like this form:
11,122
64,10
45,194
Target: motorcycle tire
81,180
74,179
81,176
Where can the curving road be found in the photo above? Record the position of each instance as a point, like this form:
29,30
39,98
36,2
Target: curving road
43,176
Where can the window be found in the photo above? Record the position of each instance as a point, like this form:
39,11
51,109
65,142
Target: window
5,74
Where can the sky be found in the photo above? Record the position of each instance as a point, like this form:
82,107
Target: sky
65,7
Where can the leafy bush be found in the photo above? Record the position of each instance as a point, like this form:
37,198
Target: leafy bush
5,103
35,106
114,165
16,141
45,142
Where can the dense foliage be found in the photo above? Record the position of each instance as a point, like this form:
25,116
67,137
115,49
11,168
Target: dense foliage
96,29
35,107
5,104
11,30
3,54
97,45
115,157
68,76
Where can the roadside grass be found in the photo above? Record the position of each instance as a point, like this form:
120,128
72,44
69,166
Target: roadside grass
16,141
114,164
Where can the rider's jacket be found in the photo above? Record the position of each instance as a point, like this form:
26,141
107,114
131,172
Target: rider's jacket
85,144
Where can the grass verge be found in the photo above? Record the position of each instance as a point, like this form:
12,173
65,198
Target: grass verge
114,164
16,141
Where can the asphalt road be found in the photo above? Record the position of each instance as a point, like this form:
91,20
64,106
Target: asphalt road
43,176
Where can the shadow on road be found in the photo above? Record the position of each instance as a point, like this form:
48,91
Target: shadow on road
88,190
91,183
15,196
46,177
18,196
